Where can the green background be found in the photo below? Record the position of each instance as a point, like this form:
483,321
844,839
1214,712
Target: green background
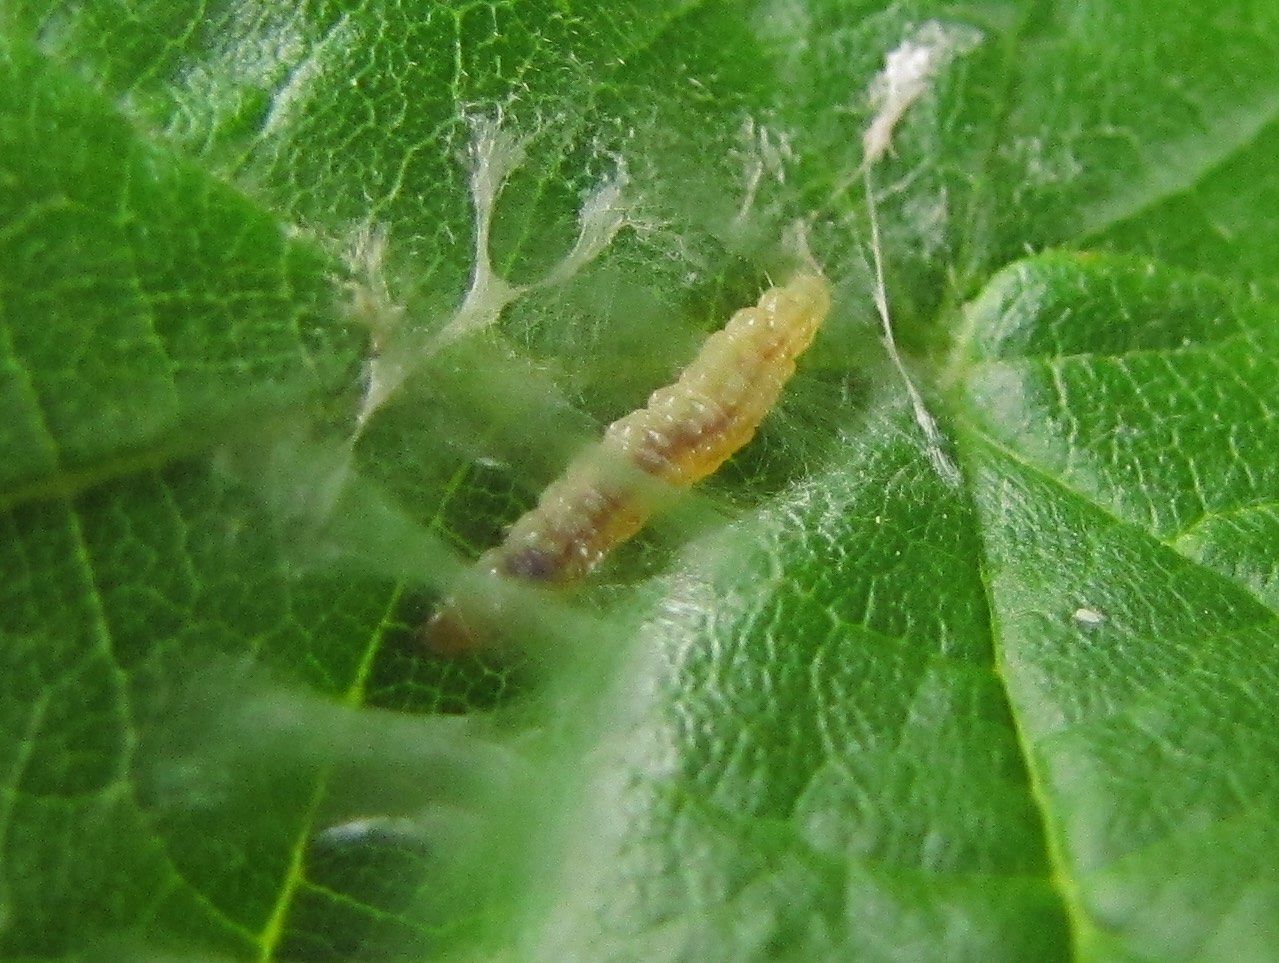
832,707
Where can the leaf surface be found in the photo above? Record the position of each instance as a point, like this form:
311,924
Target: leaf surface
299,307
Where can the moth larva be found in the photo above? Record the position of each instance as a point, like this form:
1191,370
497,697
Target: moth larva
685,432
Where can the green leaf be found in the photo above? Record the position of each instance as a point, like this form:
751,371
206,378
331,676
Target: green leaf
300,306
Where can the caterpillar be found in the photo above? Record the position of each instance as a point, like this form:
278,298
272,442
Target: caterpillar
685,432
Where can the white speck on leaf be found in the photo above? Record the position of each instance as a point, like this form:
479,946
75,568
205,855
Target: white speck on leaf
1089,618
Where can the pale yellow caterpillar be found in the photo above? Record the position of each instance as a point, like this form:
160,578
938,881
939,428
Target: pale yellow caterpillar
685,432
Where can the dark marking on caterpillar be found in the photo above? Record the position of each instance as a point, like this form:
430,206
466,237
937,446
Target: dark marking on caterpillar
685,432
532,564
